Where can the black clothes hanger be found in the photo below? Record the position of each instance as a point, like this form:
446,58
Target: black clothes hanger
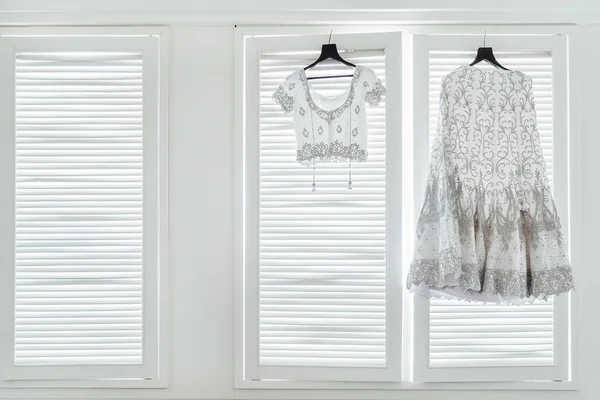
329,51
487,54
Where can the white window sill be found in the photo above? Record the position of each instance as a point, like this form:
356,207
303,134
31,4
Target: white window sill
379,390
89,384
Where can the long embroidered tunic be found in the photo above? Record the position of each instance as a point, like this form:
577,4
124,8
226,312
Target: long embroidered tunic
330,129
488,228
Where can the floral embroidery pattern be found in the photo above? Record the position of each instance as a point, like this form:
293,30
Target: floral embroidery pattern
488,228
373,96
328,134
330,115
336,151
508,284
283,99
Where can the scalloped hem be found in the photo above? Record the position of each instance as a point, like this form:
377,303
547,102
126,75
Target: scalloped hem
331,159
311,154
434,278
469,297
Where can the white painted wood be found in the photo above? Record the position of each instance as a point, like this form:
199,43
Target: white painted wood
257,366
42,351
269,12
535,351
239,226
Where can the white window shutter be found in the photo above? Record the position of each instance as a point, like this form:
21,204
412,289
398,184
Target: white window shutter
322,299
80,233
459,341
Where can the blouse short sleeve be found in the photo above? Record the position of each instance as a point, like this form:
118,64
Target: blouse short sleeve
284,95
374,89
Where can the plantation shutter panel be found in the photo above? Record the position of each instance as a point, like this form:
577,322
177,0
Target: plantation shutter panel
322,286
81,304
476,341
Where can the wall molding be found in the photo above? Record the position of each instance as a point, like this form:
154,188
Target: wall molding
264,12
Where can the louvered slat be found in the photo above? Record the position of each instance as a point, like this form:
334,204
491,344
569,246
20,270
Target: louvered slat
484,335
78,294
322,268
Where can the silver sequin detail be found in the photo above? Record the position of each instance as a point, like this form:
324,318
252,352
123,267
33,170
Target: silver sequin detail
283,99
373,96
330,115
510,284
334,152
488,229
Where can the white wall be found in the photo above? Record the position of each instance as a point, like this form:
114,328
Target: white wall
589,212
77,12
201,209
201,226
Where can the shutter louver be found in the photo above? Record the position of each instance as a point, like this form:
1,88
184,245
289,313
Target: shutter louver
486,335
458,341
322,268
78,294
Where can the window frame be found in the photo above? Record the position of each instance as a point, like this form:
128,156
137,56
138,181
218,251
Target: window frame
154,44
557,44
249,389
251,164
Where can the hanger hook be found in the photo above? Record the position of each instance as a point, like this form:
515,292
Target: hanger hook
484,37
330,33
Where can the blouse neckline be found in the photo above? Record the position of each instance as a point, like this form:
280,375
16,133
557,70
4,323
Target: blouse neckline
349,93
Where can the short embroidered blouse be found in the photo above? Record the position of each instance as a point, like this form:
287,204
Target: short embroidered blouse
330,129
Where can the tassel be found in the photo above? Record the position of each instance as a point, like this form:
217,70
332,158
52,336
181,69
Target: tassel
349,176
